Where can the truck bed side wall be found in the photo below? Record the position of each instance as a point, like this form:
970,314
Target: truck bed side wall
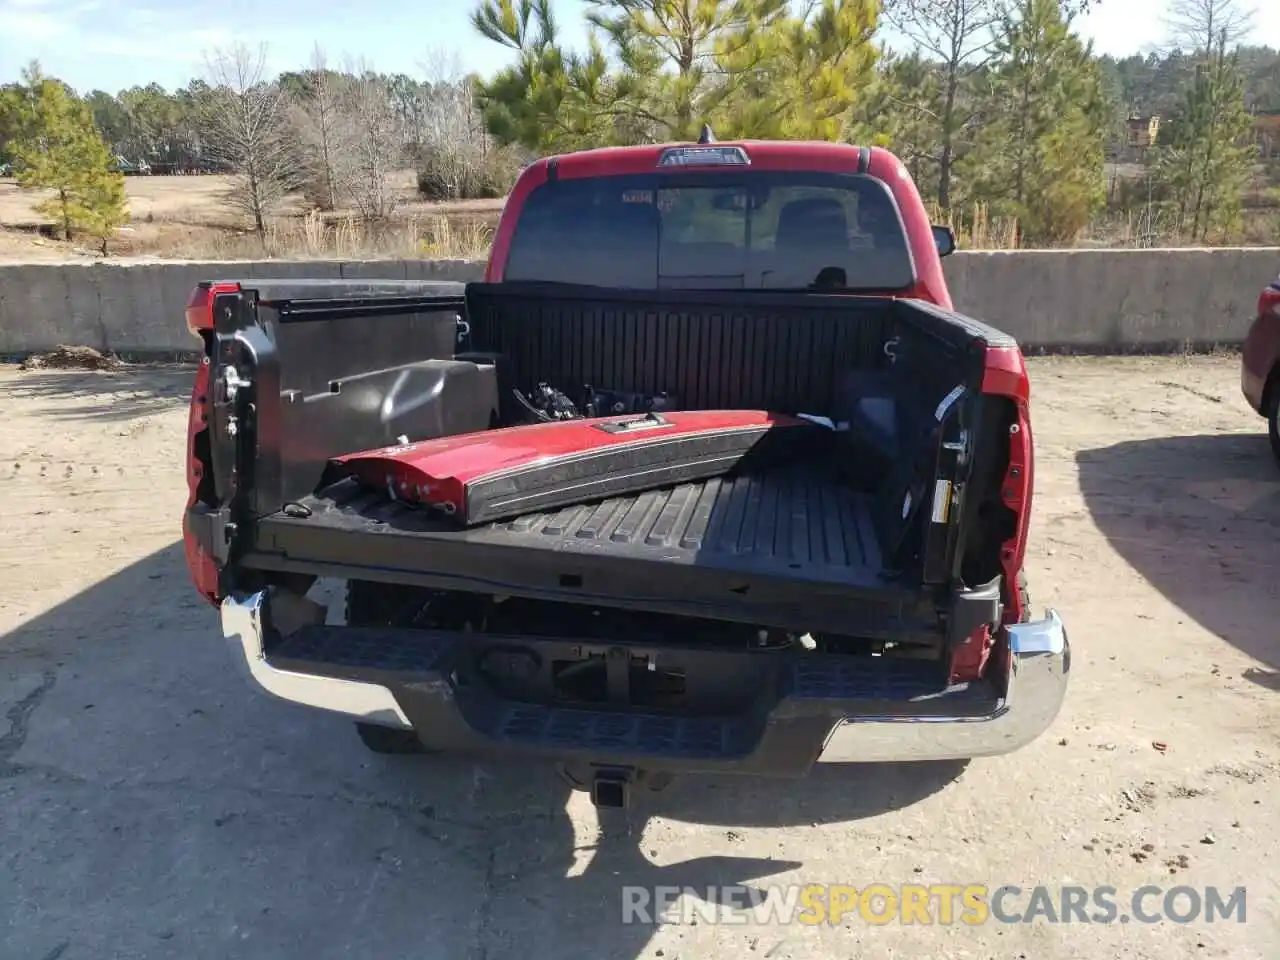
340,367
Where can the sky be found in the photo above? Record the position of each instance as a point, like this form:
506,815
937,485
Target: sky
114,44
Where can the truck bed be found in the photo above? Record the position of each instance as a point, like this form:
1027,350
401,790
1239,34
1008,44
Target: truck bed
793,540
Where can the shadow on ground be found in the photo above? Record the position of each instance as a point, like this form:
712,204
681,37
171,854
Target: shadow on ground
111,396
163,809
1198,517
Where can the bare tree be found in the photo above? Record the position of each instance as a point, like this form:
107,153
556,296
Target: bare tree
372,130
1200,26
244,117
409,98
959,34
451,114
455,144
318,116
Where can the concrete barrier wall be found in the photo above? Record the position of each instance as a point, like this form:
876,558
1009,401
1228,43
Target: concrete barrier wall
1114,299
138,308
1096,300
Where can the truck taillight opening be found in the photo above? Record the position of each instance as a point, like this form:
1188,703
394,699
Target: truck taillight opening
200,306
1006,376
201,487
199,312
1269,302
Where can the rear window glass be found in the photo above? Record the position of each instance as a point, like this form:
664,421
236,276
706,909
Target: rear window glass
767,231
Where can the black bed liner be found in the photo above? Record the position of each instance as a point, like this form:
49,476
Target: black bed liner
792,541
791,523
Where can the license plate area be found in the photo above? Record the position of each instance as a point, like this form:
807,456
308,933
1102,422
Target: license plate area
689,682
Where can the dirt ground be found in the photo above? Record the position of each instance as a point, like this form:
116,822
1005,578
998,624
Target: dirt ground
155,806
189,217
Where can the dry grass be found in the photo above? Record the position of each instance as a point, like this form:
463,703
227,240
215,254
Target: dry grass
187,218
1137,228
975,229
316,237
199,198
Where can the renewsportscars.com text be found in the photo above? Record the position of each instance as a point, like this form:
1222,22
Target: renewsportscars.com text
942,904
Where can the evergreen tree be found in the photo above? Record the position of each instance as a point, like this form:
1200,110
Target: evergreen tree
798,76
657,70
1207,157
101,205
58,148
548,100
899,111
958,36
671,55
11,98
1039,156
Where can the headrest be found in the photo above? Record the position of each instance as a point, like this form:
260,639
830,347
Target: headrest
811,222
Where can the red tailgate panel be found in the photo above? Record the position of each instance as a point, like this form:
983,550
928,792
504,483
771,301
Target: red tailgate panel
497,474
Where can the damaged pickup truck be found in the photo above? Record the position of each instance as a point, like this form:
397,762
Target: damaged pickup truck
705,476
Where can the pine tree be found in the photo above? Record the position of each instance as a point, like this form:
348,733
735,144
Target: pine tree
1206,160
657,70
548,100
11,99
799,76
101,204
957,36
671,54
58,148
1039,156
900,111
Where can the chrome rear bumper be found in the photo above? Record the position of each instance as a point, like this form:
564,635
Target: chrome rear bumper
1041,661
242,623
1037,685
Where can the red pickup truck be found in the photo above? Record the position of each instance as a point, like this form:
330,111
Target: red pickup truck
706,475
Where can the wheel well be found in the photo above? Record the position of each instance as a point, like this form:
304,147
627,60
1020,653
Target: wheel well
1270,390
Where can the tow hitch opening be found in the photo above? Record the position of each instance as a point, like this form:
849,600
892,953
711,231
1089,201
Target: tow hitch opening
611,789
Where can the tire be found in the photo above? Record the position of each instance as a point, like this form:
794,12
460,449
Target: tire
388,740
1273,423
372,604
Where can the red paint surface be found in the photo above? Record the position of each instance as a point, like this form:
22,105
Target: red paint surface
1261,351
199,318
768,155
931,285
1005,375
204,572
969,660
437,472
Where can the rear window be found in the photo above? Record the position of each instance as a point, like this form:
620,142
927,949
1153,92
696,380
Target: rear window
761,230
